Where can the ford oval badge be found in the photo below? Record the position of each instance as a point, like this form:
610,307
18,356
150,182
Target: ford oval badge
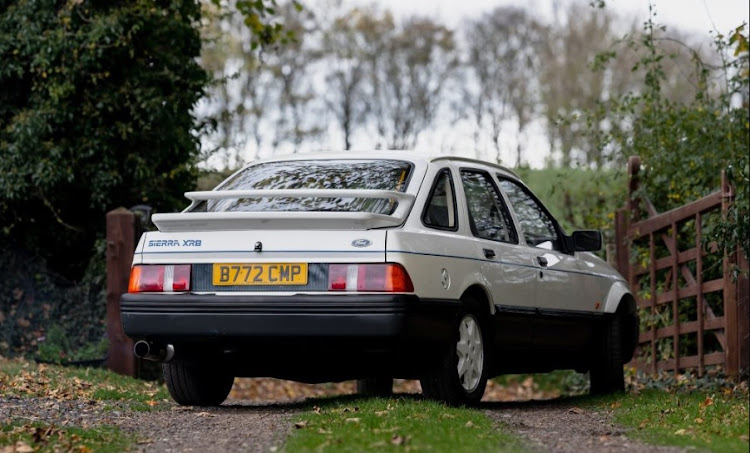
361,243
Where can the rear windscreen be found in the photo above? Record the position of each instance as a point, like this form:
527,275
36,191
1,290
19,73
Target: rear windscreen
316,174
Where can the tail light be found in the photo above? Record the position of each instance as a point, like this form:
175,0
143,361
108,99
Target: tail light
387,277
150,278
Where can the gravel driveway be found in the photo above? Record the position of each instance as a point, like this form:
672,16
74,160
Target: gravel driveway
236,426
239,425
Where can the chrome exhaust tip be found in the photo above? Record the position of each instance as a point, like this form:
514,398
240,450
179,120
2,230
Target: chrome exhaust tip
143,350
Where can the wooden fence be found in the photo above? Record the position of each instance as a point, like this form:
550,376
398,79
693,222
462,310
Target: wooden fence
694,312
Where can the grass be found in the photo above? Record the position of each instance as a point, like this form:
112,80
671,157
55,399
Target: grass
713,421
39,437
399,423
577,197
26,379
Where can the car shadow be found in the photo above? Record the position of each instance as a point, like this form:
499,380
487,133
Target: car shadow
310,403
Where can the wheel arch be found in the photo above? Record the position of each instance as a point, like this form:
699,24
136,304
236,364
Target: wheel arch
618,293
482,295
627,310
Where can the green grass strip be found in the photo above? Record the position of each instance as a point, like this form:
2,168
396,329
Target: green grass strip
710,421
400,423
47,438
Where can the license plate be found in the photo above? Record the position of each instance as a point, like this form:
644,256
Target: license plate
230,274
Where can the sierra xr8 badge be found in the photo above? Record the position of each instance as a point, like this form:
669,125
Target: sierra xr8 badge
174,243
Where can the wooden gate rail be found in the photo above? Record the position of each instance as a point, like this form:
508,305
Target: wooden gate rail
661,230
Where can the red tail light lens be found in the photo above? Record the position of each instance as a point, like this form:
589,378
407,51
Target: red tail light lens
159,278
386,277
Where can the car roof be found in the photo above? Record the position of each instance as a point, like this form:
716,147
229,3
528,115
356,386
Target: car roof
409,156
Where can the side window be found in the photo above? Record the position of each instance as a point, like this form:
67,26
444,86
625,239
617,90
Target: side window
488,215
537,227
440,210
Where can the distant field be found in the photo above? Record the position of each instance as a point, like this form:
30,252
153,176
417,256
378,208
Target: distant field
579,198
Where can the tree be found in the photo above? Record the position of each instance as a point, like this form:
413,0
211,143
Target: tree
260,96
240,99
503,62
346,41
567,87
408,72
96,107
289,66
686,144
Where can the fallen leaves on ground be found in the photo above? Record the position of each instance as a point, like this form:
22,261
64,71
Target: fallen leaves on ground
28,379
267,389
41,381
34,438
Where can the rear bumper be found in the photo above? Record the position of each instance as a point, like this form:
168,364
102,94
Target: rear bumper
199,317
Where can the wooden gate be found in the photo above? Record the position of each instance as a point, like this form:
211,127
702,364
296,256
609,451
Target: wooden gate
693,307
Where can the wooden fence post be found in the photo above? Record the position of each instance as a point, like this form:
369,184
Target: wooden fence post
120,246
743,315
634,167
730,289
622,244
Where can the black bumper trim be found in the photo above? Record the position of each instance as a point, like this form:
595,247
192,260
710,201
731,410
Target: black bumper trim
209,303
201,316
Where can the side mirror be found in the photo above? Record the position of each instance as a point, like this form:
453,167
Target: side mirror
586,240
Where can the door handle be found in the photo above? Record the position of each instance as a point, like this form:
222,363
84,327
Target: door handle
542,260
489,253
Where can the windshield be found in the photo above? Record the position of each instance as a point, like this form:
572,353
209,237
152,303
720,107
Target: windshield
316,174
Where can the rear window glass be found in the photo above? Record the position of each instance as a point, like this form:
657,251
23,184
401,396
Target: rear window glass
317,174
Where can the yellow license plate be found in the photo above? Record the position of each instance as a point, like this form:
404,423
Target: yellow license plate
231,274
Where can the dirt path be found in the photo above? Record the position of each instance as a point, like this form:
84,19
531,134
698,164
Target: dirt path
236,426
255,426
559,426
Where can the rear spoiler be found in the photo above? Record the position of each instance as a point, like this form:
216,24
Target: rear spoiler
192,221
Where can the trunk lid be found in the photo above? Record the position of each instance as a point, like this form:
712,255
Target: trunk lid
346,246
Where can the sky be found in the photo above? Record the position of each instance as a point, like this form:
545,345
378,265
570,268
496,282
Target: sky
697,16
691,15
700,17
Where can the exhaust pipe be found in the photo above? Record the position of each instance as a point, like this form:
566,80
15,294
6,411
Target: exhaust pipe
143,350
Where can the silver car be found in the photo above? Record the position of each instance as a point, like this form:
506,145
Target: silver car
374,266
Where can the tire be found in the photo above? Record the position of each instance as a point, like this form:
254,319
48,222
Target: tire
375,387
607,374
462,375
196,383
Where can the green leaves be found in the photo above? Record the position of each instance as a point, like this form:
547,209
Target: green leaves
684,144
83,89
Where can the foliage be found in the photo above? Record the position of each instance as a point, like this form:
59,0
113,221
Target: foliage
377,424
260,18
55,348
579,198
558,382
684,145
713,381
33,299
95,113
